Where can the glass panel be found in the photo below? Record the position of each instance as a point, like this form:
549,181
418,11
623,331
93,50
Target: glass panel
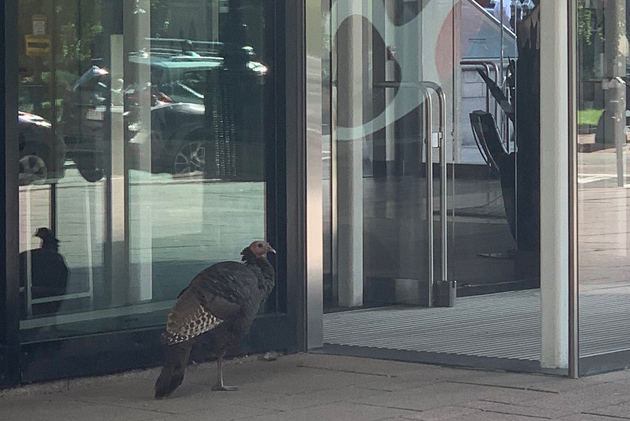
603,219
388,205
379,160
485,255
145,129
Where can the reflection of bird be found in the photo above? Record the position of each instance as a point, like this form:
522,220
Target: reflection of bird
48,270
223,298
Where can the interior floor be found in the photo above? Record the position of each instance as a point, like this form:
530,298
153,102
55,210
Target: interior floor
481,254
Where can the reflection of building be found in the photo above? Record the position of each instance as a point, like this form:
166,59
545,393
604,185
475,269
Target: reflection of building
364,183
483,46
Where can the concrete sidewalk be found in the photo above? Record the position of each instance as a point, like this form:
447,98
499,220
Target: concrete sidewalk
323,387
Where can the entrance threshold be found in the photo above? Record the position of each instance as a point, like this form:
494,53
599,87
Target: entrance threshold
495,332
503,325
435,358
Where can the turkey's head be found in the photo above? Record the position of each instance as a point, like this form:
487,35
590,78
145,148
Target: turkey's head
49,241
44,233
261,248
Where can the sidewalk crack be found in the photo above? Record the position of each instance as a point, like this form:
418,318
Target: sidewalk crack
347,371
520,415
157,411
612,417
531,389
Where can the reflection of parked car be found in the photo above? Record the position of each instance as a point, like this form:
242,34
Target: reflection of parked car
184,137
42,152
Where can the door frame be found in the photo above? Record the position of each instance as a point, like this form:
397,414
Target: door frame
533,366
9,229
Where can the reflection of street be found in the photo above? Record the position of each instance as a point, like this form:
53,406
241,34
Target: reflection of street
193,223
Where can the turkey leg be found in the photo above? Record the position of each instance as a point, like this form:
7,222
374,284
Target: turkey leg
219,385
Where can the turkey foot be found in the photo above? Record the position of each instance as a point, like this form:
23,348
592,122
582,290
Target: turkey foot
224,388
219,386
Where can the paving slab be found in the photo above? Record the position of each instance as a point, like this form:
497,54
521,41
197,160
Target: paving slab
444,413
620,411
512,396
515,409
492,416
588,417
220,412
430,397
358,365
54,408
585,399
337,412
614,376
321,387
517,380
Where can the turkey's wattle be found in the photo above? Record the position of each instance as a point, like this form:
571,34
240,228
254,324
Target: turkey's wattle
224,299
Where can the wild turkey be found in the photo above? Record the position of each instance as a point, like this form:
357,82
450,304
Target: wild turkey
48,271
223,298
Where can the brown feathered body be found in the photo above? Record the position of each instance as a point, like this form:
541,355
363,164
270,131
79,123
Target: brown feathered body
223,298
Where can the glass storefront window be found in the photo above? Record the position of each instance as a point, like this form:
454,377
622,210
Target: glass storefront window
145,130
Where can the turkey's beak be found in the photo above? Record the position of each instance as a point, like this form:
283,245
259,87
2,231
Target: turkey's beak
270,249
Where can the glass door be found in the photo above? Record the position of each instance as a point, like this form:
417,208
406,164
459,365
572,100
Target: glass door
494,248
392,72
603,166
433,228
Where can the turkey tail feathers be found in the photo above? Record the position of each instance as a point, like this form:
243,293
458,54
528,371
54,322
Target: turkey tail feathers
174,368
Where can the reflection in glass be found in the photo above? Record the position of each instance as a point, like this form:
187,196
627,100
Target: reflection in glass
144,132
43,275
603,219
397,240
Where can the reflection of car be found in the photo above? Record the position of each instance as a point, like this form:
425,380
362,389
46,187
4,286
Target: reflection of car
42,152
182,133
174,127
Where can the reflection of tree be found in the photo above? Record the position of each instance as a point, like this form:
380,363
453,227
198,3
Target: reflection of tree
585,26
78,30
160,21
76,50
76,23
71,26
590,38
615,52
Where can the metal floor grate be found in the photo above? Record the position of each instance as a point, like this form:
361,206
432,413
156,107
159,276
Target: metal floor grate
504,325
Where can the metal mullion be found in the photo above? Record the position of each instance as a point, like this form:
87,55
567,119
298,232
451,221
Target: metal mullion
428,118
574,334
9,196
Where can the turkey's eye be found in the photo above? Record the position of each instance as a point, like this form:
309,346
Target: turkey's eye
259,245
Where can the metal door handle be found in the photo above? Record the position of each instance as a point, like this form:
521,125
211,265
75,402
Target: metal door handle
424,86
443,172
